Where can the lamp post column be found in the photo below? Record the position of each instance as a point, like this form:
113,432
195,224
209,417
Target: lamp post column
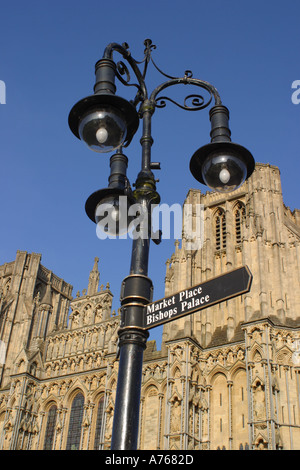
136,292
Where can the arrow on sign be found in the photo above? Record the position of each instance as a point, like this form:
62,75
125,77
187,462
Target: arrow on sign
187,301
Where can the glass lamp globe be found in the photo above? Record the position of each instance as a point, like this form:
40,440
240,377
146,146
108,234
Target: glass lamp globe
222,166
224,172
104,121
103,130
111,215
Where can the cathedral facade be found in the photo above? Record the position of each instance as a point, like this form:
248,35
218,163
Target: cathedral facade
226,377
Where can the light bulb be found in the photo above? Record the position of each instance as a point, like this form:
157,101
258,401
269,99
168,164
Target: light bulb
102,130
224,176
223,172
115,214
111,214
101,135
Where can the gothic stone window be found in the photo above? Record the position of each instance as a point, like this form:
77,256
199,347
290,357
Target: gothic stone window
50,428
74,432
220,229
239,215
98,423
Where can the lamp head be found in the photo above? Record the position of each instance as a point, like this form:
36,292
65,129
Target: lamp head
108,208
104,122
222,166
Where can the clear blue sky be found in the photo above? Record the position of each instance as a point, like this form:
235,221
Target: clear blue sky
248,50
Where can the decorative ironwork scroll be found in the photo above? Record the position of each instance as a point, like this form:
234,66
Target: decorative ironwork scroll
192,102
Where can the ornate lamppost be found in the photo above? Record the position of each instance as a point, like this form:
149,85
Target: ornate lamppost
106,122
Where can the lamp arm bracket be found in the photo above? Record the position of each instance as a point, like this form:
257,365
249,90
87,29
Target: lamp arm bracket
122,72
122,69
197,102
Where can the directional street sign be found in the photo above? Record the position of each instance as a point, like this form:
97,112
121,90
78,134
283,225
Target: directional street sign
187,301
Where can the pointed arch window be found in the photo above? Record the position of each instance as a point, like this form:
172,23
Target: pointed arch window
220,229
99,424
50,428
76,416
239,216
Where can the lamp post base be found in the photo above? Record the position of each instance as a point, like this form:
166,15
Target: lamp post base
132,343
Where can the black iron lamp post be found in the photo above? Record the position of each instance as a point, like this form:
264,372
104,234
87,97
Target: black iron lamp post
106,123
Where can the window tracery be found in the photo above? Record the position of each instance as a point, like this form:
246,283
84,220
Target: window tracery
239,216
50,428
74,432
220,229
99,423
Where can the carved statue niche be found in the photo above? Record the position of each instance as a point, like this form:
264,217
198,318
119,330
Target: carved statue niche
259,406
109,421
106,304
87,315
8,428
175,425
98,313
75,317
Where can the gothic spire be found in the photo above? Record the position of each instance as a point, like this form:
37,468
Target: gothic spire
94,279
